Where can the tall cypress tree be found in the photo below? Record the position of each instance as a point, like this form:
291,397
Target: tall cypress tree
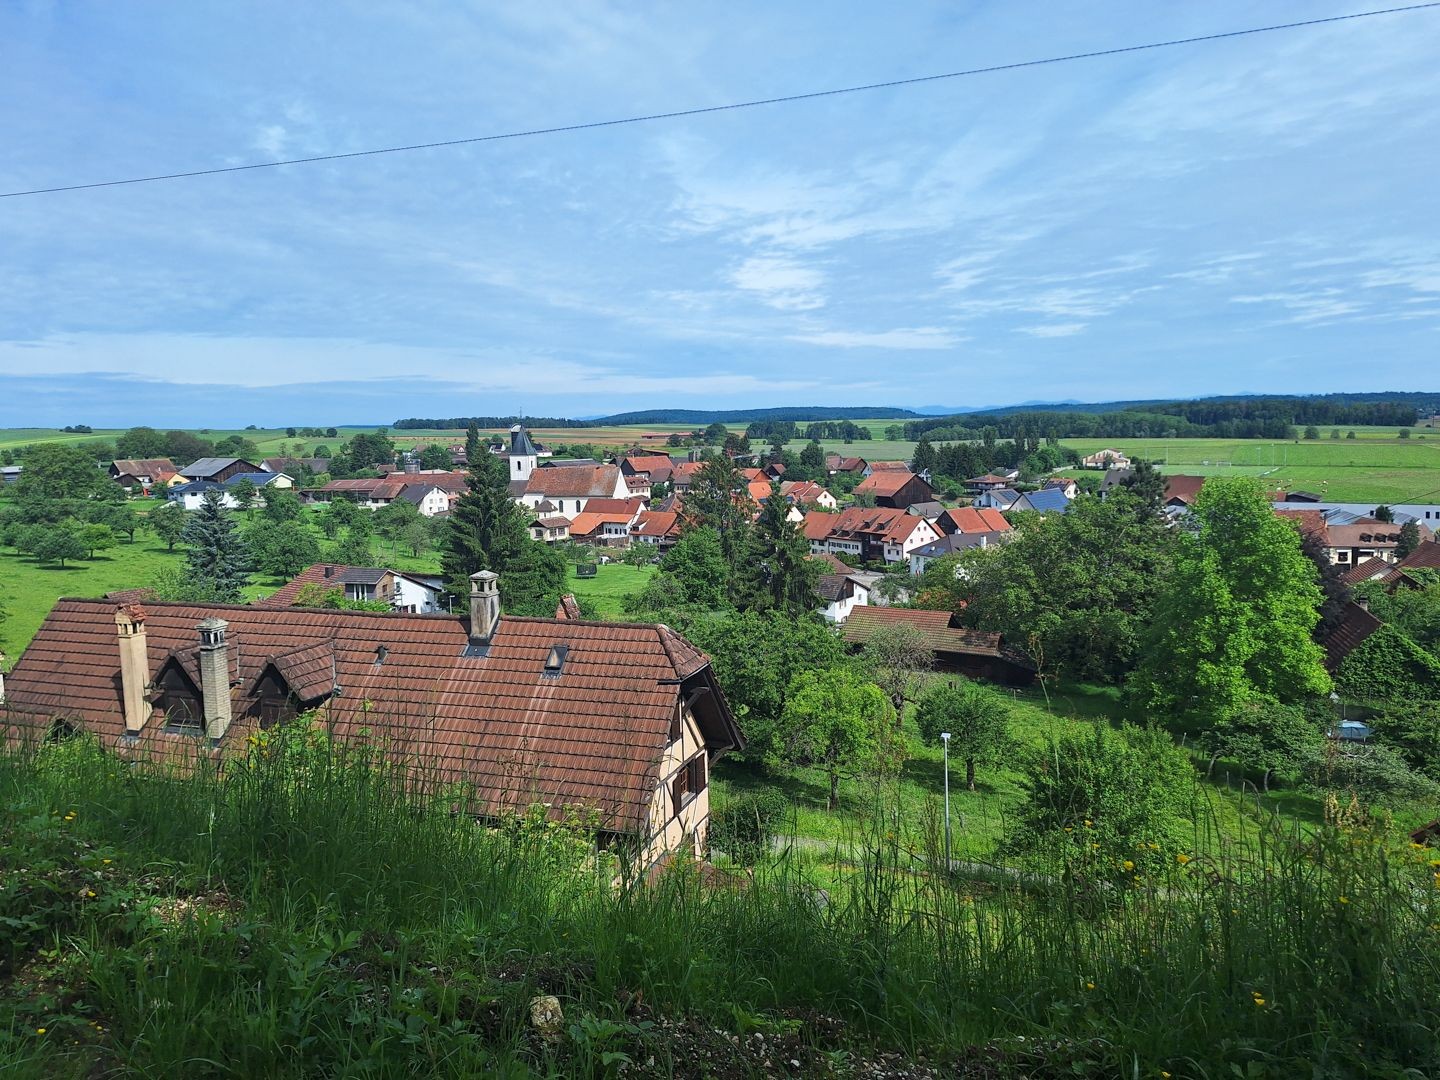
218,560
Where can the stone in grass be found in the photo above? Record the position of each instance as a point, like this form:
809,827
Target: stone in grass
546,1017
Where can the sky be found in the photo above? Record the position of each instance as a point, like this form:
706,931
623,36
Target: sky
1250,215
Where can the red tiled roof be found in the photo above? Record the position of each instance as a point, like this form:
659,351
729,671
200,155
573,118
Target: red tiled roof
142,466
972,519
568,608
318,574
593,736
631,505
1307,521
988,478
889,466
1183,488
802,491
885,483
553,521
648,462
1371,569
576,482
587,523
818,524
880,523
658,523
758,489
1424,557
836,564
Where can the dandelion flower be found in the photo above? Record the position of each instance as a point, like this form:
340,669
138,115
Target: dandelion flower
1260,1002
90,892
1089,986
1344,899
39,1031
1128,865
1089,824
1182,859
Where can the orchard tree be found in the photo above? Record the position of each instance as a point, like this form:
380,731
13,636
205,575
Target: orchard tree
218,560
898,658
1409,539
281,504
243,492
283,548
1236,614
354,547
57,471
57,543
977,718
167,523
96,538
839,723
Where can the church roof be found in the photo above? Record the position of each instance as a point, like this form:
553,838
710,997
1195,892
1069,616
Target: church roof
520,444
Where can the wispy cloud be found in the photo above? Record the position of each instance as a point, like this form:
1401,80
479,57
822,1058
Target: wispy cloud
783,283
1052,330
919,337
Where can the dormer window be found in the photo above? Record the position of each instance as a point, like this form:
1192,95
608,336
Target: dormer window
555,661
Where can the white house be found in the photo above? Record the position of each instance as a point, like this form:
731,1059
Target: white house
191,495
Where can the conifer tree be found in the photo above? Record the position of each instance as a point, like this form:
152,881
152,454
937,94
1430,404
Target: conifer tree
925,456
487,531
782,577
218,560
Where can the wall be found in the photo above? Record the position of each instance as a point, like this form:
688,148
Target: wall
668,832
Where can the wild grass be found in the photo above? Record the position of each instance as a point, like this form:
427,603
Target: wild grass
299,914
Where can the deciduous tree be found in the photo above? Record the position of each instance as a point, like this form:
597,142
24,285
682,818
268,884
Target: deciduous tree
977,718
167,523
838,722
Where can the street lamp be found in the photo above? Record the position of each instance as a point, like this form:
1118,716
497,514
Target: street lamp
945,739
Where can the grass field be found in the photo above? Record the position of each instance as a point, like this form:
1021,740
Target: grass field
612,583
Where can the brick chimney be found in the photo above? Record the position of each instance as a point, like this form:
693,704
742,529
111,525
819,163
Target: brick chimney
215,677
134,666
484,605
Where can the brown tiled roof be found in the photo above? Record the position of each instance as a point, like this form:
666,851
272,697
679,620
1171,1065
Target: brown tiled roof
330,575
574,483
1424,557
836,564
974,519
592,737
130,596
832,587
647,462
568,608
1371,569
1361,534
988,478
934,625
889,466
884,483
1307,521
1183,488
553,521
1354,627
657,523
586,523
818,524
632,505
880,523
847,464
802,491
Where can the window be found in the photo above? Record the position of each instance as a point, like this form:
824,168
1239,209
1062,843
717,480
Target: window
182,713
689,781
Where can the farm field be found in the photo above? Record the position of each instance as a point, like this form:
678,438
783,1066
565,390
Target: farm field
1345,470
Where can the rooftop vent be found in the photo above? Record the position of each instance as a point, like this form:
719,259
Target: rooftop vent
555,661
381,652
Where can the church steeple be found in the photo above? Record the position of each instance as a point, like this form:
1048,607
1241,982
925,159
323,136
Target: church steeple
522,453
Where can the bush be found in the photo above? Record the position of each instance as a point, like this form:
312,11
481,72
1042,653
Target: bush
744,826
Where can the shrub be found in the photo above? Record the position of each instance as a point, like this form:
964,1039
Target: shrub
744,826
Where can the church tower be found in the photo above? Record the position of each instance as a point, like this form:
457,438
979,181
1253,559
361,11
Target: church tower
522,454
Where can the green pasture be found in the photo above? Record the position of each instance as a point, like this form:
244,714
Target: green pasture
607,590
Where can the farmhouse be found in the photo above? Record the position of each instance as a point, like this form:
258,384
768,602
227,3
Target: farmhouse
895,489
191,495
403,591
978,654
921,557
217,470
807,493
1001,498
432,492
141,472
834,463
970,519
658,527
619,722
867,533
1105,459
651,468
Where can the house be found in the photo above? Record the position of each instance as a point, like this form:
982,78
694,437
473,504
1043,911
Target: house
1400,513
889,466
1424,557
615,723
834,463
988,482
402,590
570,490
841,595
867,534
807,493
971,519
602,528
1105,459
433,492
141,473
929,510
1114,478
10,474
922,557
1349,541
217,470
977,654
191,495
1044,501
430,500
683,475
1182,491
996,498
652,468
550,529
658,527
775,470
895,489
1062,483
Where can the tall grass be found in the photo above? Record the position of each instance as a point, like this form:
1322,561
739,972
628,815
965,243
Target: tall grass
299,913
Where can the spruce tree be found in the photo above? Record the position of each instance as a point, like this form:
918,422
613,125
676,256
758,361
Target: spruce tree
218,560
925,456
782,576
487,531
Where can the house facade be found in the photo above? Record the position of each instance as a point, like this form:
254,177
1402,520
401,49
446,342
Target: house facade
617,723
191,495
218,470
896,489
868,534
569,490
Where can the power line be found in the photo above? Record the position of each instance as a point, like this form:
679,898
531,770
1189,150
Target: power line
673,114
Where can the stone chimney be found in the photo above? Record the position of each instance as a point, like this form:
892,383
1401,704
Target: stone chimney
1363,603
134,666
484,605
215,677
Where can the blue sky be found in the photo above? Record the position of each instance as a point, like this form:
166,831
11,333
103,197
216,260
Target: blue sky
1250,215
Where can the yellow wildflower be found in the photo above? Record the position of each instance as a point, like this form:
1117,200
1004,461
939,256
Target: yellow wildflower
1260,1002
1089,986
1182,859
1127,865
1344,899
90,892
39,1031
1089,824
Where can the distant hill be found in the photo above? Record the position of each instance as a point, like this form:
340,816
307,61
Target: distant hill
798,414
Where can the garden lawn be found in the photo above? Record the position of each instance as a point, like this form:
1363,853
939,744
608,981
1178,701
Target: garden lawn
607,590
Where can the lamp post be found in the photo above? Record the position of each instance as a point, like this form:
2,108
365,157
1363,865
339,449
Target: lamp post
945,739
